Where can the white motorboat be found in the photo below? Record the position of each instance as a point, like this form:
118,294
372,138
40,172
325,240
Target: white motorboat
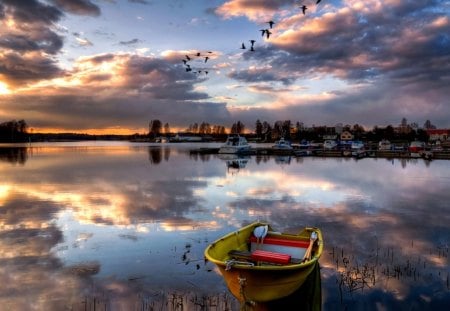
358,148
282,144
330,144
384,145
235,144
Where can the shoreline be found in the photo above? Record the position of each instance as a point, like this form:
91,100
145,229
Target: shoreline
319,152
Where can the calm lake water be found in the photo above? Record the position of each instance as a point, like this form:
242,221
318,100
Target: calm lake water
122,226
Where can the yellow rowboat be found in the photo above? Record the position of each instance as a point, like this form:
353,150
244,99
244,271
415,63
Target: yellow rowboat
259,264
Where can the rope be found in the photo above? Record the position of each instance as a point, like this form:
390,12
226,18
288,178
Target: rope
230,263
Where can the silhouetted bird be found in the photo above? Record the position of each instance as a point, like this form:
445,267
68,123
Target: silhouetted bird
252,49
206,59
263,32
304,8
252,42
318,1
243,46
271,23
268,33
198,53
187,57
184,61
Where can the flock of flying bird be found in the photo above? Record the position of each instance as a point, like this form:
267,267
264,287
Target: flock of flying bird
264,32
197,55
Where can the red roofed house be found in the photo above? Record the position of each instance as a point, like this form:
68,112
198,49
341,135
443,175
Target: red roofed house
438,134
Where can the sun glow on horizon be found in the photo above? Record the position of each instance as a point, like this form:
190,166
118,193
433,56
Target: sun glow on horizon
4,90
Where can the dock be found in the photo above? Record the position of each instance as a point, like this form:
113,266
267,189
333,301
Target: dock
428,155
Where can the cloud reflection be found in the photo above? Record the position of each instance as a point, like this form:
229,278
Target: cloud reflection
385,228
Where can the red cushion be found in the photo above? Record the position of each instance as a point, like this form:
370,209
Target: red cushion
260,255
278,241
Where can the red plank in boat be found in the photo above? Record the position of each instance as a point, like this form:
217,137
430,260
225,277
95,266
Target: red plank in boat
272,257
278,241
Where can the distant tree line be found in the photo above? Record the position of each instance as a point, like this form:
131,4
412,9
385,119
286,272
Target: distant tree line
17,131
156,128
13,131
265,131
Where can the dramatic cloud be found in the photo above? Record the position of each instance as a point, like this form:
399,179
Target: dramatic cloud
371,62
17,69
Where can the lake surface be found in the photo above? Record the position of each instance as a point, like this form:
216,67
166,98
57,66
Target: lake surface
122,226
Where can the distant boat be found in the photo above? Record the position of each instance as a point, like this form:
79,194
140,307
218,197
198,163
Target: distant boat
384,144
282,144
304,149
162,140
358,148
330,144
416,146
181,138
260,265
235,144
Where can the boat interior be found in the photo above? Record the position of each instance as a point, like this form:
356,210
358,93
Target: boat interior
275,249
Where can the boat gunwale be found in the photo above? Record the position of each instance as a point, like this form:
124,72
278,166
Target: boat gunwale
269,267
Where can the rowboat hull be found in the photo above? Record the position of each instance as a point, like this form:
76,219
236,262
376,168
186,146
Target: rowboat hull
262,282
263,286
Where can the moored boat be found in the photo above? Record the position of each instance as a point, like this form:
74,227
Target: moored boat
330,144
384,144
358,149
235,144
416,146
259,264
282,144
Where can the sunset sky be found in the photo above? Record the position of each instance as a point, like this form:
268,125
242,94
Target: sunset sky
111,66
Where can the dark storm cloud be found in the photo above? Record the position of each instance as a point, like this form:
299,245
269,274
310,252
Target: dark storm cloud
76,112
19,70
260,75
408,40
43,40
31,11
80,7
29,45
160,79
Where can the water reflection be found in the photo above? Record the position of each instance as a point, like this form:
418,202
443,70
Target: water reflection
14,155
308,297
124,225
234,162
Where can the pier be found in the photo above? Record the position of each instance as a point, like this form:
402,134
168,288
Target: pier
428,155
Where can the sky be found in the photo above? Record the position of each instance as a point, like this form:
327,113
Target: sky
112,66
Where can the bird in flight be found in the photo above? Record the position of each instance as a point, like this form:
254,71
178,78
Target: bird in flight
243,46
304,8
318,1
268,33
206,59
187,57
252,42
271,23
